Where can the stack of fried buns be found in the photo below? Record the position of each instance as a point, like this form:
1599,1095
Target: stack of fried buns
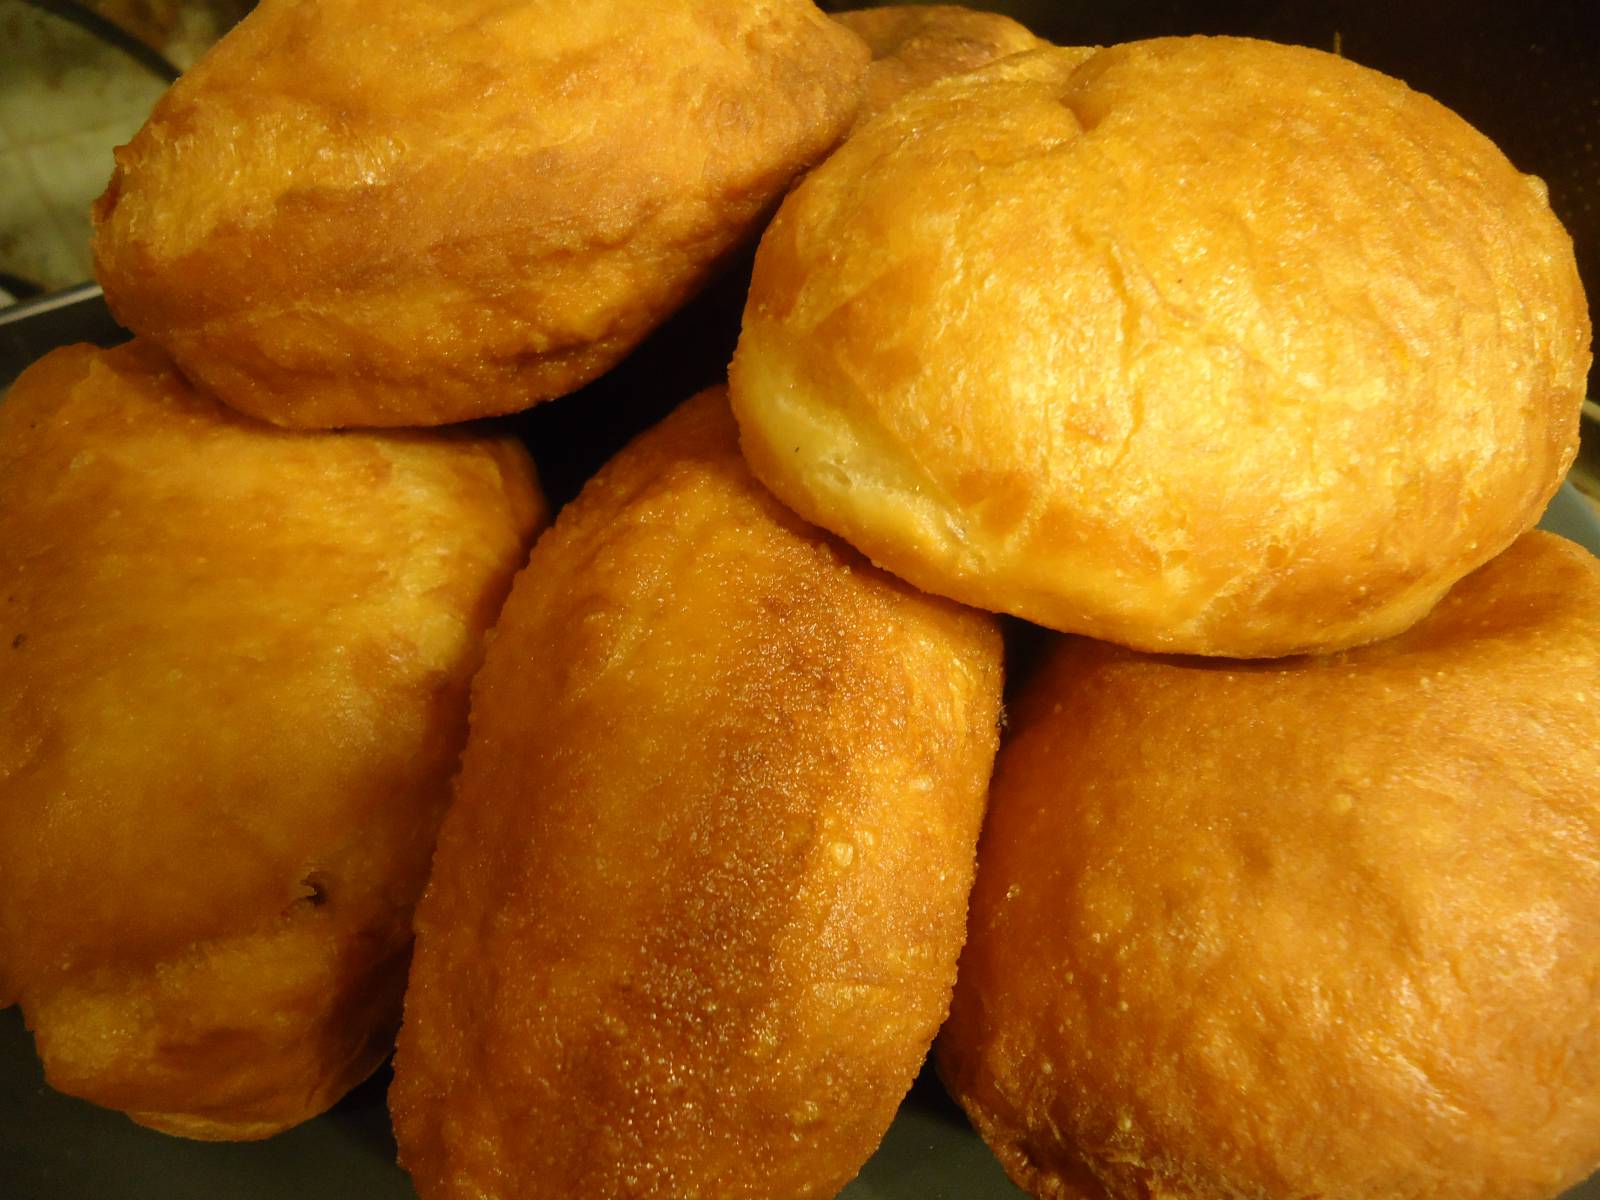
1238,372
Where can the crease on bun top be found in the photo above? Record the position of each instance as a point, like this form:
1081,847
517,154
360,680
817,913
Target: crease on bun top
1199,344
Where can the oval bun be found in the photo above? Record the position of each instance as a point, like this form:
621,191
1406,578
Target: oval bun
233,691
1320,927
1201,345
417,214
696,908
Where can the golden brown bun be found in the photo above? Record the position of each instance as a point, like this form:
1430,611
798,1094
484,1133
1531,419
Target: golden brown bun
696,908
414,213
1326,927
233,691
914,44
1206,345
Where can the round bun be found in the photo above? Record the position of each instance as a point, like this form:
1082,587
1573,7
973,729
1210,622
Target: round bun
695,911
1325,927
1200,345
233,690
914,44
419,213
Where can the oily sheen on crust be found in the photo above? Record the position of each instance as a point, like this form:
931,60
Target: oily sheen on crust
232,694
694,914
1201,345
416,214
1316,927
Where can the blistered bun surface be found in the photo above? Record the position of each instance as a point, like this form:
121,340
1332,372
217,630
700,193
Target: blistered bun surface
1325,927
914,44
1201,345
233,689
417,213
695,911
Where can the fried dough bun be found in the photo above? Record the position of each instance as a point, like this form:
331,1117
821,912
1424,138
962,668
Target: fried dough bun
414,213
1325,927
914,44
233,692
1201,345
695,911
